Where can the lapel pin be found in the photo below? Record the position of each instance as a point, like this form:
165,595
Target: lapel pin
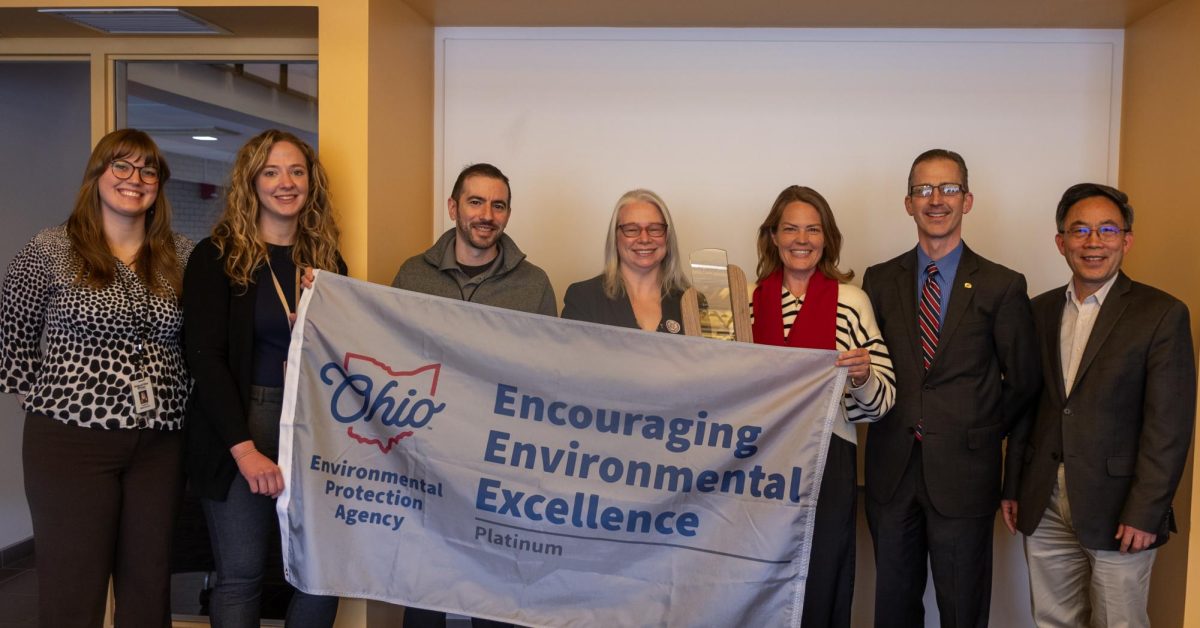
967,285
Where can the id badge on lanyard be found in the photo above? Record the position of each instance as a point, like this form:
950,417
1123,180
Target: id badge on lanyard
287,307
141,390
143,395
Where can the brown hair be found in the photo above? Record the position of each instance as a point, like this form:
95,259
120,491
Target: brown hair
157,262
479,170
938,153
768,253
236,233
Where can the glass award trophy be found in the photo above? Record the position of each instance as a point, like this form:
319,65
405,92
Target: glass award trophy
716,306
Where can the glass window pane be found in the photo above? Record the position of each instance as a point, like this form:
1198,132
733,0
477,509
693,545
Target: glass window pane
200,113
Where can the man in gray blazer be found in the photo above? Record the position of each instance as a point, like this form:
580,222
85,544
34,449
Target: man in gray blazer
1100,464
966,365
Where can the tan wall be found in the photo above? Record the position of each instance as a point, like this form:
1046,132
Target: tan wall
400,110
376,129
1160,165
342,124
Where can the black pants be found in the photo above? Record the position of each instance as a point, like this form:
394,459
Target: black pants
103,503
421,618
908,531
829,590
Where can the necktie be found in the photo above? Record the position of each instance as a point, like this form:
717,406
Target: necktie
929,325
928,318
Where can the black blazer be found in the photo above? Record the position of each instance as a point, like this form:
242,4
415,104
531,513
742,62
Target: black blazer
218,338
982,382
1123,433
586,301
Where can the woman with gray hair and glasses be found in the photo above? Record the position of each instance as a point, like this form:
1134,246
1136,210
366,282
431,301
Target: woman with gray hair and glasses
643,278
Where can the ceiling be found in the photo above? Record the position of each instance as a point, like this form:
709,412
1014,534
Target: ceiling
790,13
257,21
245,21
176,100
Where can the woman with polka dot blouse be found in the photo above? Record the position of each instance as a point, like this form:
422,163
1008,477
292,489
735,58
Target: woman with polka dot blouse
104,395
241,289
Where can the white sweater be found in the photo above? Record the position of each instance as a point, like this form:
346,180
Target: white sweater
856,328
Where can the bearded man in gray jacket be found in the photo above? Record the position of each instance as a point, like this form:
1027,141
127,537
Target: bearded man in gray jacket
475,261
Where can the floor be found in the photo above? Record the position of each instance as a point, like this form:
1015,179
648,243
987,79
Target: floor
18,597
189,595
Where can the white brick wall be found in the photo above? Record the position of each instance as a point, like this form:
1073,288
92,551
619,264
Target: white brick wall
192,215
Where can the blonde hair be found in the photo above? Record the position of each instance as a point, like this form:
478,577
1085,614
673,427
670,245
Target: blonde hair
671,277
236,233
156,262
768,253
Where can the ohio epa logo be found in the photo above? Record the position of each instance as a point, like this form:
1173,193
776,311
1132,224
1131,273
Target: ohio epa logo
381,405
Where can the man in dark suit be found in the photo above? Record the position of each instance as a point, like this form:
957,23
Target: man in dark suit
1099,465
966,366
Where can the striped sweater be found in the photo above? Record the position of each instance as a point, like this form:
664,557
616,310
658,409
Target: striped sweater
856,328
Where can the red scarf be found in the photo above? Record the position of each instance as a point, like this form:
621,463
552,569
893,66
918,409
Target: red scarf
816,322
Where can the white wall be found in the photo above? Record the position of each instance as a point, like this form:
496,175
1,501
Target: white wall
719,121
46,144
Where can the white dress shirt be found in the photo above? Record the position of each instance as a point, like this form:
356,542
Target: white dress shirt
1078,318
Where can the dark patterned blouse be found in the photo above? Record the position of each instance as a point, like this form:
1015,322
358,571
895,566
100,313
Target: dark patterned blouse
83,373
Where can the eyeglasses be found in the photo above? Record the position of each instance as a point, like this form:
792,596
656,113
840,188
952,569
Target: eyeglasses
1107,233
654,230
925,190
122,170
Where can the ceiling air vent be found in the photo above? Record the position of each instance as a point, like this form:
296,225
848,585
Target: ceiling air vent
146,21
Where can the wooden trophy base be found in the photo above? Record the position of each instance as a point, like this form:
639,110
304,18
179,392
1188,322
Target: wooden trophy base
740,307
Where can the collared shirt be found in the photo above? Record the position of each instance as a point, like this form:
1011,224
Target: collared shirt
1076,327
947,269
467,283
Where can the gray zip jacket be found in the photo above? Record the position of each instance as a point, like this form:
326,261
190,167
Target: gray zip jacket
511,283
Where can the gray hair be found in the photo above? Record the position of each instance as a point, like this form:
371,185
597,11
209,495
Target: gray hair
671,275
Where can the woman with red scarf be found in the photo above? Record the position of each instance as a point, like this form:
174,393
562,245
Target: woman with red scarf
802,301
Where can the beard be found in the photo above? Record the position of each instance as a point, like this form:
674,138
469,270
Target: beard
478,240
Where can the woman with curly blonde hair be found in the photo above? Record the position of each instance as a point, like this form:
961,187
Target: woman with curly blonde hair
242,286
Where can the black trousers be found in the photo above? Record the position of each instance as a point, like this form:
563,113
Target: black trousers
421,618
907,532
103,503
829,590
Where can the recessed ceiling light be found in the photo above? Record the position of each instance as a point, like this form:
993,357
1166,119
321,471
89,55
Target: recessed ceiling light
203,133
142,21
